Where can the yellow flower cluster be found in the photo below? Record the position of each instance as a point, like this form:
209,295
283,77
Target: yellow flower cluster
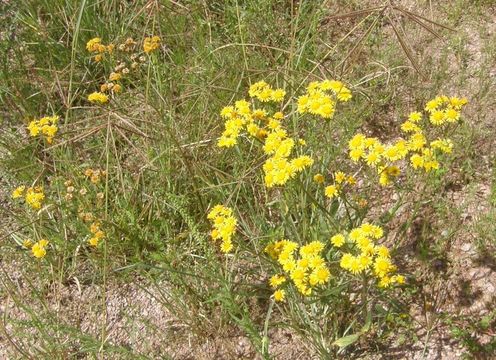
257,122
364,257
94,175
224,226
279,167
33,196
98,97
443,109
264,92
18,192
46,126
150,44
38,249
304,265
321,98
98,234
95,46
340,180
423,155
375,153
122,69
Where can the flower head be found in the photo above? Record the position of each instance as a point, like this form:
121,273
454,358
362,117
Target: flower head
151,43
98,97
39,249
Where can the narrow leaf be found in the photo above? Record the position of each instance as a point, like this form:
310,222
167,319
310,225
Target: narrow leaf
346,340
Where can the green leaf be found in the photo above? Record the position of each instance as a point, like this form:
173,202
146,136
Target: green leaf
368,323
346,340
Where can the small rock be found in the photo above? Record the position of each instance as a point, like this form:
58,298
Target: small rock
466,247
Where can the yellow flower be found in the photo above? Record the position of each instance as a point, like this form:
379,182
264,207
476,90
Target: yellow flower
94,44
338,240
384,178
415,117
417,161
356,233
301,162
279,295
34,197
18,192
458,103
38,249
398,279
445,145
315,262
409,126
224,226
417,141
388,172
34,128
115,76
357,142
321,274
226,246
385,281
363,243
278,95
318,178
393,171
365,261
331,191
321,97
382,266
355,266
117,88
372,158
339,177
45,126
432,105
451,115
346,261
98,97
225,141
95,227
94,241
312,249
277,280
298,274
356,154
382,251
437,117
256,88
150,44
